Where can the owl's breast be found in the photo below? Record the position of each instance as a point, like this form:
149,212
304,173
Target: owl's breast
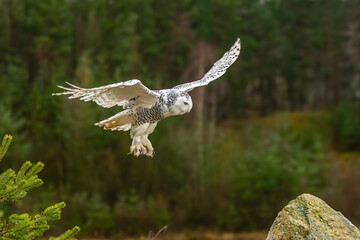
153,114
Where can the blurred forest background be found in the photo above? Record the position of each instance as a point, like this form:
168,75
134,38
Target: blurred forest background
284,119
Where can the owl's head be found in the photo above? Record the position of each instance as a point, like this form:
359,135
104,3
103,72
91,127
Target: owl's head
181,104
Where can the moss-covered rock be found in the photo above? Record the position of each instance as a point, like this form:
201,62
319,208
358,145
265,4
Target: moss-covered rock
308,217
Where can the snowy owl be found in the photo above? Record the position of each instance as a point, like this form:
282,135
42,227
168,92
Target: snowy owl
143,107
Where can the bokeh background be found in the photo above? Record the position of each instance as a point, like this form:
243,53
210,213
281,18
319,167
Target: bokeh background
283,120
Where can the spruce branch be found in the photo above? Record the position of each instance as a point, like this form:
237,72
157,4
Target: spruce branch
35,169
14,187
53,213
25,227
5,145
5,179
22,171
68,234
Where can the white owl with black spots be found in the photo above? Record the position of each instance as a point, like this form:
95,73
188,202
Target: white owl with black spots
143,107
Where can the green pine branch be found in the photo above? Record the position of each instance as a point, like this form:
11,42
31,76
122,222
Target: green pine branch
5,145
25,227
68,234
14,187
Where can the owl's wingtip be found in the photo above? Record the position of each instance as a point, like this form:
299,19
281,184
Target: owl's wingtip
238,40
237,45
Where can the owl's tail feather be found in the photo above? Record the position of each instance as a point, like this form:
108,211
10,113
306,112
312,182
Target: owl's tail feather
121,122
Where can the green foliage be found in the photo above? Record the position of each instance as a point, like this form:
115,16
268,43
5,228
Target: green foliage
271,166
347,126
5,145
69,234
93,214
14,187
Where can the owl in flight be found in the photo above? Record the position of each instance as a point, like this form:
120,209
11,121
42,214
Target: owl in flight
144,108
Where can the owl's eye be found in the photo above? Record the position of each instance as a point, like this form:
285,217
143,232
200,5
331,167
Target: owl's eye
186,103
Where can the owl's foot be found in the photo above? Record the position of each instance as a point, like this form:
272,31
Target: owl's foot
141,146
150,152
138,149
147,144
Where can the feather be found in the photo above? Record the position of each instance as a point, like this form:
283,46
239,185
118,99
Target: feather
113,94
216,71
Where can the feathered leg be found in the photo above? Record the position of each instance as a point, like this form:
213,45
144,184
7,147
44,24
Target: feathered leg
147,144
137,148
140,143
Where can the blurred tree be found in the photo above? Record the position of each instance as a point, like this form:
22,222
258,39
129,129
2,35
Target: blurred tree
297,55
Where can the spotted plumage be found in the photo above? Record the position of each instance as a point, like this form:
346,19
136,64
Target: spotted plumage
151,115
143,107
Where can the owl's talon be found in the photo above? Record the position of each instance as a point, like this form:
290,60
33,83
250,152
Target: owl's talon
141,149
137,150
149,151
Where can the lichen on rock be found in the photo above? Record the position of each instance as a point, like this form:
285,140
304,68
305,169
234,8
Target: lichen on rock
308,218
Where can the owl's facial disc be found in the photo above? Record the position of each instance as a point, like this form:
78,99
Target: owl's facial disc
186,105
182,105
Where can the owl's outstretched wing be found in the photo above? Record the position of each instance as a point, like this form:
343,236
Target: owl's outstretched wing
216,71
121,94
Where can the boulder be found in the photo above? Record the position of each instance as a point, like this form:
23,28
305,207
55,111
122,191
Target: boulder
308,217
